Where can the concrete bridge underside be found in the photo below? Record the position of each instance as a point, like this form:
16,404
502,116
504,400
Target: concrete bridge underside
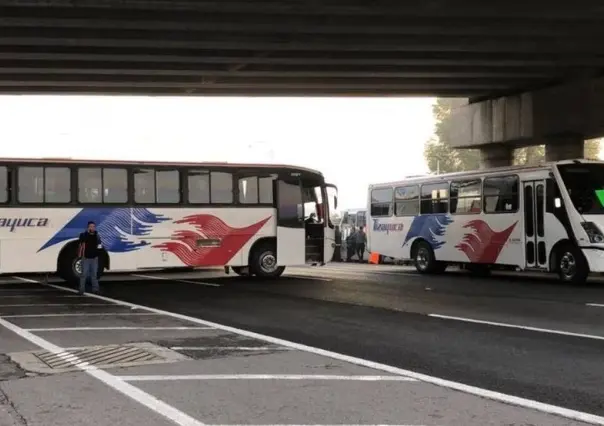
487,51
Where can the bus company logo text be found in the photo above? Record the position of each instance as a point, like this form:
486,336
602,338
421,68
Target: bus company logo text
23,222
387,227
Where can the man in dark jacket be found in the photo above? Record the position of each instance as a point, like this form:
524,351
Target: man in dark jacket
90,246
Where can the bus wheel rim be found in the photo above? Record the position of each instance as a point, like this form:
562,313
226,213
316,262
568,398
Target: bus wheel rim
422,258
268,262
568,265
77,267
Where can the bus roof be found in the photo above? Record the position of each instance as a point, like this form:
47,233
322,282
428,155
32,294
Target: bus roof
493,171
66,160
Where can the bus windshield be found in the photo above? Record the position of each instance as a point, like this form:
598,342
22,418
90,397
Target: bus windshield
585,185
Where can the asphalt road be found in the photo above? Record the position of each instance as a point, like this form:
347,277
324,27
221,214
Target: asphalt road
526,337
382,316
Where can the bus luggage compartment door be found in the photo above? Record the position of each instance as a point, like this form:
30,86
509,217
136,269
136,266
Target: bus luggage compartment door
291,237
535,246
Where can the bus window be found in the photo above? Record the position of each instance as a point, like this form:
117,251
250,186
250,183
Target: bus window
381,202
435,198
3,185
167,186
248,190
265,189
115,185
362,219
500,194
199,186
144,186
34,188
90,185
466,196
406,201
221,188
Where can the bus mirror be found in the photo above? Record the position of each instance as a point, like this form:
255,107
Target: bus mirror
335,202
300,211
557,203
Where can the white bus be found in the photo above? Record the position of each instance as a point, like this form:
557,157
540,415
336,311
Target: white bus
249,217
548,218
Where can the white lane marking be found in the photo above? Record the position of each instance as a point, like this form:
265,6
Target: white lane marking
229,348
472,390
94,314
364,275
110,380
266,377
595,305
28,290
43,305
520,327
29,296
307,277
114,328
153,277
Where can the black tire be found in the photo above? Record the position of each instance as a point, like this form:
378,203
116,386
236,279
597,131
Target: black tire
263,262
572,266
242,271
424,260
69,268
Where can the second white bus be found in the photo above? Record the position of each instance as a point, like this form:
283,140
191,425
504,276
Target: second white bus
547,218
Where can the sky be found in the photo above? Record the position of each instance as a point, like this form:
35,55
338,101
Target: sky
353,141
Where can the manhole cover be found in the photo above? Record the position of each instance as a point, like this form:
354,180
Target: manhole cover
108,355
99,356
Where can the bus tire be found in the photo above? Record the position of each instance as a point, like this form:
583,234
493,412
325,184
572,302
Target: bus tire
572,266
70,266
424,259
263,261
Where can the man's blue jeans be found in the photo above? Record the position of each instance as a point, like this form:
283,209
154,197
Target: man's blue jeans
89,270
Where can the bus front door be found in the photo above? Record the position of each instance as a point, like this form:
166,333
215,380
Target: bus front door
291,237
535,245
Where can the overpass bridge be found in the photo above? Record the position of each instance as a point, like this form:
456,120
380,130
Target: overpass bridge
502,55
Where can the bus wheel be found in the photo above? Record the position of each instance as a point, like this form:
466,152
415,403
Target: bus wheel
70,267
572,266
424,260
263,262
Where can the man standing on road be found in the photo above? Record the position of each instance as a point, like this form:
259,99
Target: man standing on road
361,240
90,245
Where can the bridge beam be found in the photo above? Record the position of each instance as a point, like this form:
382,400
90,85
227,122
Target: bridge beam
561,117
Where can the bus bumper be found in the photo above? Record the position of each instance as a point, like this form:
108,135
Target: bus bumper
595,259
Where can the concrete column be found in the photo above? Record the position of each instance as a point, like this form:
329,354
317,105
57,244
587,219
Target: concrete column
564,147
495,156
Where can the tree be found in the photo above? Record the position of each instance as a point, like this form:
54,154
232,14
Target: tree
442,158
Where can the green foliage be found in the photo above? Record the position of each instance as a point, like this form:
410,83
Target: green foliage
442,158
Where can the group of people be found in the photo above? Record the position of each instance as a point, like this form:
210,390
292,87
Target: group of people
355,244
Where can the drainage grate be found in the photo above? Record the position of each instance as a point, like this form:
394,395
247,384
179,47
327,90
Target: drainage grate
97,356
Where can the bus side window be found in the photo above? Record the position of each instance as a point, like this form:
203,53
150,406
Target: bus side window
198,183
435,198
4,185
381,202
221,188
501,194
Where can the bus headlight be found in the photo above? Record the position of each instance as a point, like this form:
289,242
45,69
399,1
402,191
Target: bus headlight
593,232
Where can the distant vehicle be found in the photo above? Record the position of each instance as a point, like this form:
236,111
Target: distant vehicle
546,218
248,217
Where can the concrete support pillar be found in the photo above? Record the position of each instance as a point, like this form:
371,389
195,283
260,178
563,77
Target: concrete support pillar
564,147
497,155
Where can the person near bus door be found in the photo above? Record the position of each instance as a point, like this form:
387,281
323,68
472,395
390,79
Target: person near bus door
351,244
361,241
90,246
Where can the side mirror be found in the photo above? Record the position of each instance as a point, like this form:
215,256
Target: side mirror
557,203
335,202
300,211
